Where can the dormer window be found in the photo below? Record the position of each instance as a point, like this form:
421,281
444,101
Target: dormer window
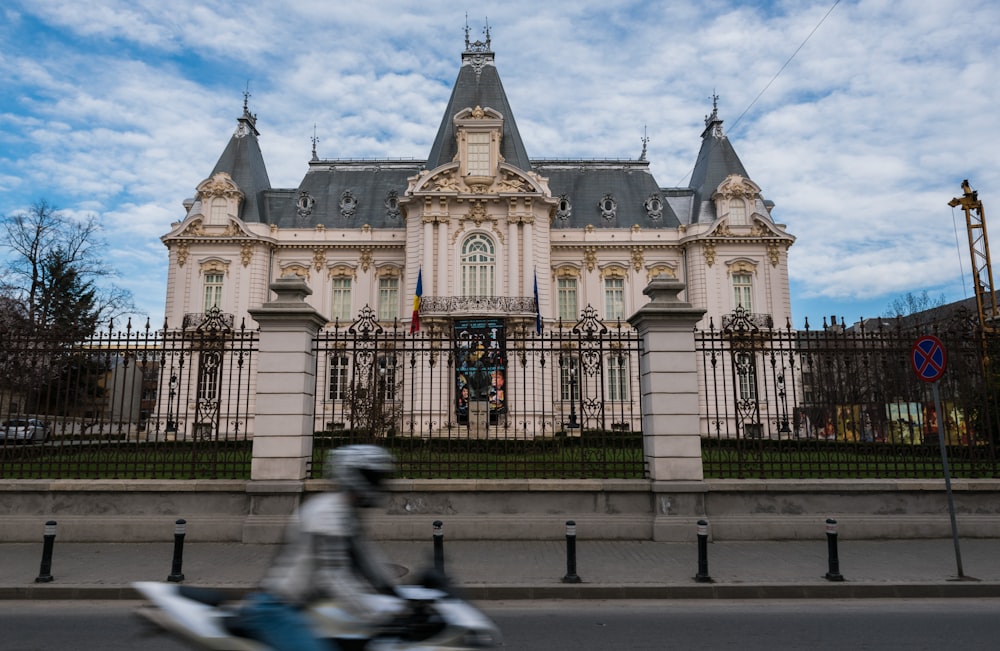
737,212
478,150
478,131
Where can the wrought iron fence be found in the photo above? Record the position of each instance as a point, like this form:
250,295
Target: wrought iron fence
484,397
845,402
132,403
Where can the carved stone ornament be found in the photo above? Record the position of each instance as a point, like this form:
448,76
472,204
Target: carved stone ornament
219,185
661,270
736,186
391,204
195,229
564,209
478,113
246,253
348,205
709,253
774,253
182,253
366,258
638,257
590,257
295,269
478,213
654,206
319,258
304,206
444,182
513,183
608,207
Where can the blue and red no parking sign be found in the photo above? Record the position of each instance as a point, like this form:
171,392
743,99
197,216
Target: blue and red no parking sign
928,358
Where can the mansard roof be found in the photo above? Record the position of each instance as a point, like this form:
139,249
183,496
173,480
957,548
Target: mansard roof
478,84
352,193
244,162
587,184
344,194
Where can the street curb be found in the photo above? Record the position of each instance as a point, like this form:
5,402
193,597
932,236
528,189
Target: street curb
513,592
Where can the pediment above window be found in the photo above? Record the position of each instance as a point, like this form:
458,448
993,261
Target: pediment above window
736,186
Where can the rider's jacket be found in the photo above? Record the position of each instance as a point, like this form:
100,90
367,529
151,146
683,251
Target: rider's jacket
327,555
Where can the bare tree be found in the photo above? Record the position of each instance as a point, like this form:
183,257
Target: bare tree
36,237
910,304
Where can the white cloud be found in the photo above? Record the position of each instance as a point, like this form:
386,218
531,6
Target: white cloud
121,107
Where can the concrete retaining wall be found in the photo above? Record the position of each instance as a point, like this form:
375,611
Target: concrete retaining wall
124,510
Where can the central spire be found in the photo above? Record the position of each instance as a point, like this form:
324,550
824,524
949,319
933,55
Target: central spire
478,84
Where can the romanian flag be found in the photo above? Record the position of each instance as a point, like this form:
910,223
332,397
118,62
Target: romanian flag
415,319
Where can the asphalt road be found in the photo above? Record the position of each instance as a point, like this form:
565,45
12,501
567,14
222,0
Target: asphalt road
915,625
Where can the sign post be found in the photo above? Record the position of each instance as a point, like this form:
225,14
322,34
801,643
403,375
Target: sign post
929,360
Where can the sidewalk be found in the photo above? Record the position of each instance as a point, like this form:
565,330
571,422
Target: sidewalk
485,570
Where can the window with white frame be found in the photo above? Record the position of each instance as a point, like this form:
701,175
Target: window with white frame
746,374
339,377
387,377
217,210
388,298
743,290
477,150
614,298
340,307
737,212
478,266
569,378
213,290
567,297
617,375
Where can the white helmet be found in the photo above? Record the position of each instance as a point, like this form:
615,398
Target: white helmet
360,470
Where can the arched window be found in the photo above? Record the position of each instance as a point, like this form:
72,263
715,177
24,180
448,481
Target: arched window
478,266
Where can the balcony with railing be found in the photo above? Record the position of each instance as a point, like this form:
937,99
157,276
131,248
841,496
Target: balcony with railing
444,306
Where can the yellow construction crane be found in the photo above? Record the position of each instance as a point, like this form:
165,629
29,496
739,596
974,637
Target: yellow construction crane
979,248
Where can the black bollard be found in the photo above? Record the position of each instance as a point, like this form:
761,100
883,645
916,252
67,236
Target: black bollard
175,570
702,575
45,571
439,546
571,576
831,544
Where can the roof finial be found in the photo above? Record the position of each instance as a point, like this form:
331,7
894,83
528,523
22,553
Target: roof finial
486,31
247,122
713,123
466,31
314,141
645,141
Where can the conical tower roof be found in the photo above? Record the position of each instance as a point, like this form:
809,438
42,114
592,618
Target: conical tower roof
244,162
478,84
716,160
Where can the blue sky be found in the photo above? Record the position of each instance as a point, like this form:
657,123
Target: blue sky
120,108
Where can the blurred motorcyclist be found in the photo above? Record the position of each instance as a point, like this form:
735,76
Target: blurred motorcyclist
326,555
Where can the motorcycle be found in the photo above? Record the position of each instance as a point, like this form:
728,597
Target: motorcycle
436,620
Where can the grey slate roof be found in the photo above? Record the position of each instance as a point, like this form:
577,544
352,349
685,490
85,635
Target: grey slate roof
716,160
332,183
478,84
244,162
334,188
586,183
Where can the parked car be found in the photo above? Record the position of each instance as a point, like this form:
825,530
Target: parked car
29,430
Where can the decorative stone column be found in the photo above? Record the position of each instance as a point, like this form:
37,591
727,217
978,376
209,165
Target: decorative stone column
668,382
286,383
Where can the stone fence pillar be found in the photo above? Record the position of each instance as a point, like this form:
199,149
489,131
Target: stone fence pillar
286,383
668,382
